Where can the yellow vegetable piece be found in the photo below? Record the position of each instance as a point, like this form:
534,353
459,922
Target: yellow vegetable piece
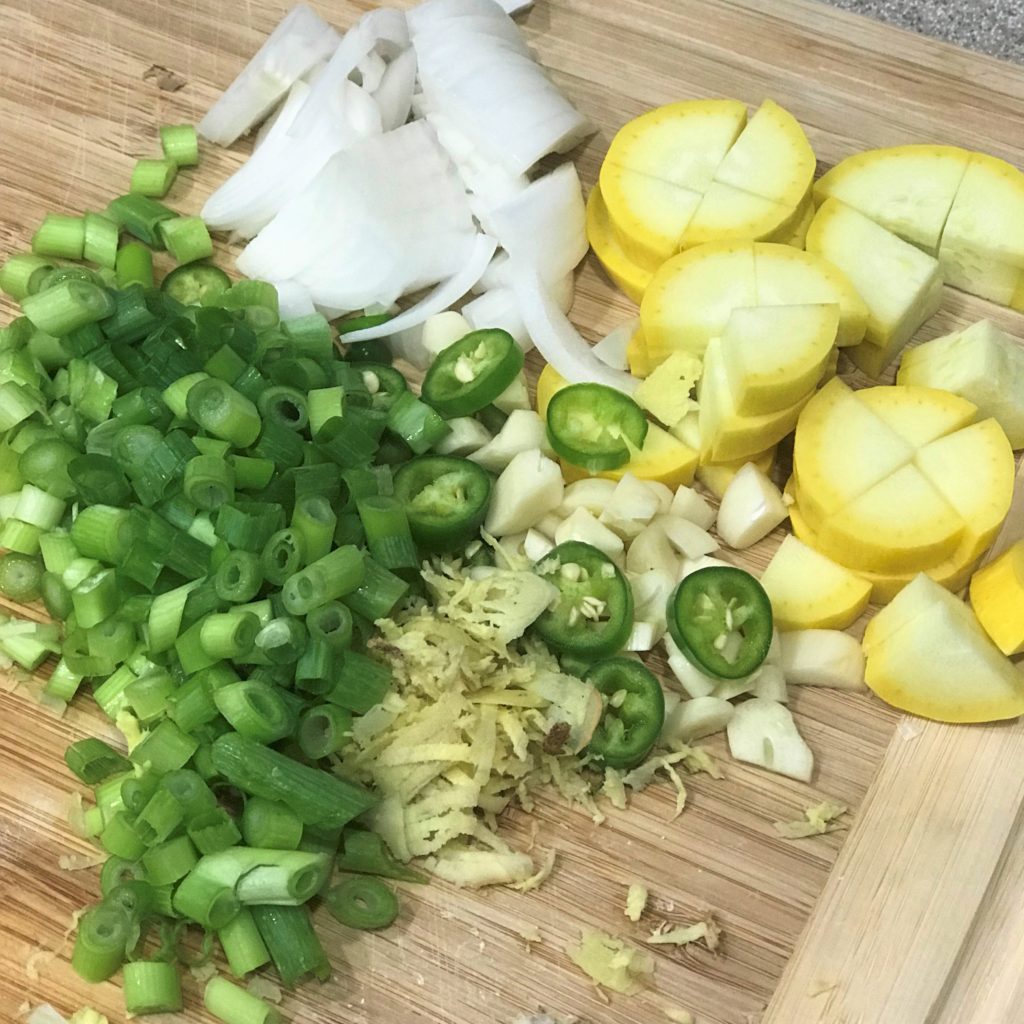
624,272
549,382
809,591
933,659
973,469
729,213
665,394
981,363
639,359
691,297
918,414
907,189
900,285
997,596
901,524
798,235
716,476
772,157
952,574
663,459
658,167
842,449
774,355
788,277
725,434
647,214
982,247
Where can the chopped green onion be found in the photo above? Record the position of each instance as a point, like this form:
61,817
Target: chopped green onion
186,238
165,748
20,577
314,521
205,900
416,423
255,710
324,404
284,406
213,831
388,535
283,556
243,948
17,403
23,274
121,838
65,306
96,598
102,532
151,986
378,594
100,945
134,265
332,623
170,861
136,793
266,876
99,480
336,574
140,216
229,634
362,683
315,796
234,1005
60,235
116,871
95,761
324,730
149,696
63,683
100,243
180,143
366,854
153,178
239,577
279,444
45,464
363,902
292,942
270,825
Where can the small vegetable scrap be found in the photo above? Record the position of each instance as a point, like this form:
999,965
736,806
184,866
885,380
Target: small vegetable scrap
611,963
636,901
683,935
817,820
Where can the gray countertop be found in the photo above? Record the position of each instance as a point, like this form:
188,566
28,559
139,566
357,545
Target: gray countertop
995,27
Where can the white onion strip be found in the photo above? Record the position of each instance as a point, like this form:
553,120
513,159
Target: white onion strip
444,295
555,337
301,40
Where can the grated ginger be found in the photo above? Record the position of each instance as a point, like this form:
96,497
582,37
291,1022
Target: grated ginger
479,717
817,820
610,962
636,901
683,935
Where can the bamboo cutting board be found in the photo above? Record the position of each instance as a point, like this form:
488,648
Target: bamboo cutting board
915,920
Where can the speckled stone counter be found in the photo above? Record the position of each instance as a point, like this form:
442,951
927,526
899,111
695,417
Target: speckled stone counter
995,27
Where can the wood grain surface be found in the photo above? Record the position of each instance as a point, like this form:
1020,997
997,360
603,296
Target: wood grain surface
920,916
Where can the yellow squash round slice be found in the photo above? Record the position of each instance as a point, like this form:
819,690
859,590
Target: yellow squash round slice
632,278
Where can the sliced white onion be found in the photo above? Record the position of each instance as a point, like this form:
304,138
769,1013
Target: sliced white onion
544,224
476,69
301,40
611,349
394,94
556,338
45,1014
283,166
381,219
370,70
383,29
293,300
498,308
440,298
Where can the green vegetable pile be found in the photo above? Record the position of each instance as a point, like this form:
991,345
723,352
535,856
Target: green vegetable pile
217,506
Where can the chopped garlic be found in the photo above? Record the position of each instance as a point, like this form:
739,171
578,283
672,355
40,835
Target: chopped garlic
264,988
636,901
81,861
529,933
817,820
610,962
